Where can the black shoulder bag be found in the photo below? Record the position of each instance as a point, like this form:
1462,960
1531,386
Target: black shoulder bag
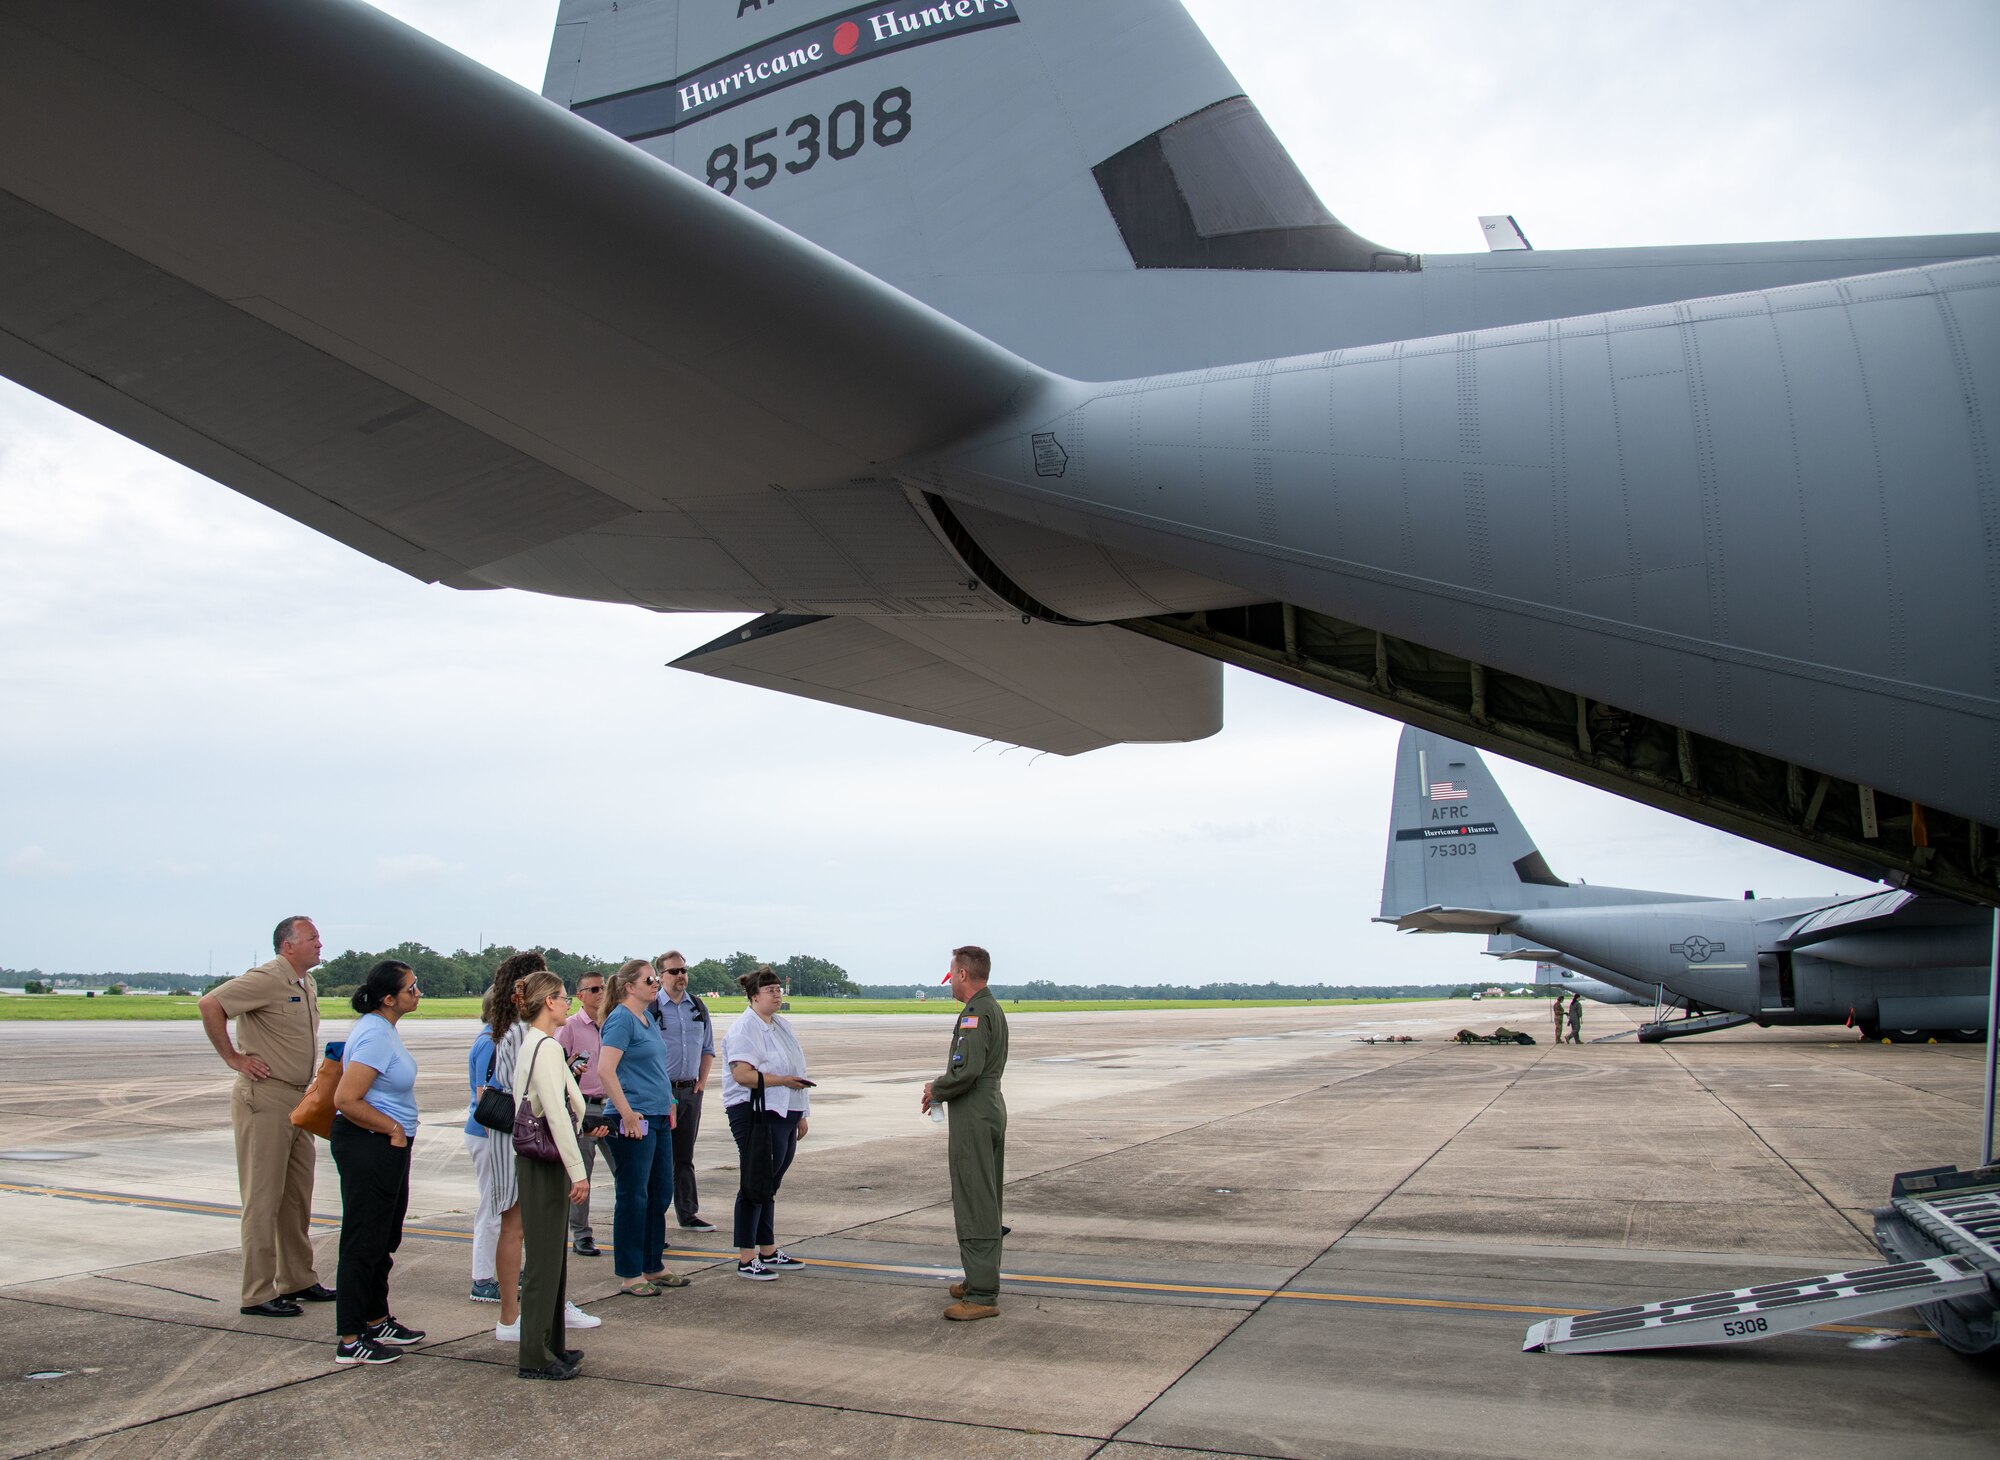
495,1109
760,1151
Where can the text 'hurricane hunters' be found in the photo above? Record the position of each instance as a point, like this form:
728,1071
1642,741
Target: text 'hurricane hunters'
847,39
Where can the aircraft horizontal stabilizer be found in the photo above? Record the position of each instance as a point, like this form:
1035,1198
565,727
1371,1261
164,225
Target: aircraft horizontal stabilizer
1452,920
1054,688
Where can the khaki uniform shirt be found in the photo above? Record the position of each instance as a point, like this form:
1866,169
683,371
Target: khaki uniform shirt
277,1018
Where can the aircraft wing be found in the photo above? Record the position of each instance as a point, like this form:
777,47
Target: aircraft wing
1952,932
1438,919
337,266
1065,689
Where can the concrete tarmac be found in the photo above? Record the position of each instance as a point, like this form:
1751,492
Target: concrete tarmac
1242,1232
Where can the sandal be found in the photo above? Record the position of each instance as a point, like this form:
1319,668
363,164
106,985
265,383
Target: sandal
640,1290
667,1280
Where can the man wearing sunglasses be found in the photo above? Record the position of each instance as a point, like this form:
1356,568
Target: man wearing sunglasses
581,1037
689,1036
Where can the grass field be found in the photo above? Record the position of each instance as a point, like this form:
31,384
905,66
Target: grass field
154,1006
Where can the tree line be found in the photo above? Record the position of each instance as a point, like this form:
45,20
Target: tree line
1042,988
464,974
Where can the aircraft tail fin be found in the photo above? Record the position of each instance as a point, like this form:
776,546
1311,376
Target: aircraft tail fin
942,143
1454,841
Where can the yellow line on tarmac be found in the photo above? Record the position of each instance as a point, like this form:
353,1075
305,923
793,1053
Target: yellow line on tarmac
1123,1285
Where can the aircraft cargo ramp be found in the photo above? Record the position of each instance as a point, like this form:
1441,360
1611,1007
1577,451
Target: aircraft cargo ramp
1941,1232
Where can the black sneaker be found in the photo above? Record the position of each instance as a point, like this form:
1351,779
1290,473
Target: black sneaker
780,1258
556,1371
364,1350
391,1332
757,1272
697,1225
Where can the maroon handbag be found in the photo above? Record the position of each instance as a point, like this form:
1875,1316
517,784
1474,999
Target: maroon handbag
532,1136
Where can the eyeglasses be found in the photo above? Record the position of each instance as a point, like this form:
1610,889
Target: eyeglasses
673,973
650,979
413,989
596,988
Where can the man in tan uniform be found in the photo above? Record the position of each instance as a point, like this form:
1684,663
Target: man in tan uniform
276,1009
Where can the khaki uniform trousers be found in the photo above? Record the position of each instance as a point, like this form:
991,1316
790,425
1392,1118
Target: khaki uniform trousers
274,1174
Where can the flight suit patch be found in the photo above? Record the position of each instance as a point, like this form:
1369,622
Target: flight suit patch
970,1021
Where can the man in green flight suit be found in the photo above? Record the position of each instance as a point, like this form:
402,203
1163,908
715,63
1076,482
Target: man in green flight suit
970,1090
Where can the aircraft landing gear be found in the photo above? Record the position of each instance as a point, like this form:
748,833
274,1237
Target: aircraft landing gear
1873,1032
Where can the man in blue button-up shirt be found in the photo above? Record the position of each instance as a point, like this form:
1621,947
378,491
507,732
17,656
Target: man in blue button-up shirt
689,1035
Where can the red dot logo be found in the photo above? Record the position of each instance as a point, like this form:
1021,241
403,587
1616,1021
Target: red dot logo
846,39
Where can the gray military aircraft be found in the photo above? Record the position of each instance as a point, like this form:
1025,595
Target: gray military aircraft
1591,986
999,356
1894,964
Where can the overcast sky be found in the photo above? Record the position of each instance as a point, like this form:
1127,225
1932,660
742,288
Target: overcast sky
211,716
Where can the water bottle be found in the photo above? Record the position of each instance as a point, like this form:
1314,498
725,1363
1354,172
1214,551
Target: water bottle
937,1112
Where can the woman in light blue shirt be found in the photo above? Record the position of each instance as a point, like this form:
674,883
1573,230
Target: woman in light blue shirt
632,1066
374,1121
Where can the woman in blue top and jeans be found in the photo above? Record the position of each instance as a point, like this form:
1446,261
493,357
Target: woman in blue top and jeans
632,1066
375,1118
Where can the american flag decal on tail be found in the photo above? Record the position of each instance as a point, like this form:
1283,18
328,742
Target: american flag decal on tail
1448,791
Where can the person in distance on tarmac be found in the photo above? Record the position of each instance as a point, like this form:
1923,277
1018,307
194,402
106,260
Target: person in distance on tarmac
632,1065
761,1043
546,1188
374,1122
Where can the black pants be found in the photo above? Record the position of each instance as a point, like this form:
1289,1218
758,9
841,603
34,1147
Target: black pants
687,1117
757,1221
579,1211
374,1195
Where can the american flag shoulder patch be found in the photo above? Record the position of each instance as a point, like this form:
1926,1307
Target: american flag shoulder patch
970,1021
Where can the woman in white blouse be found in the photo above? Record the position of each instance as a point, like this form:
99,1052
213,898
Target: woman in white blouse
760,1044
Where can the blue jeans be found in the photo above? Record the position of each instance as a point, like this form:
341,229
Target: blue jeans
644,1173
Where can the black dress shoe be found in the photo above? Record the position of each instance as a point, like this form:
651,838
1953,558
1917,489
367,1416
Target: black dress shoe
274,1308
585,1247
573,1356
317,1293
549,1371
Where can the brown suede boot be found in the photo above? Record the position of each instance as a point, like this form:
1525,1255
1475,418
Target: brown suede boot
963,1312
957,1290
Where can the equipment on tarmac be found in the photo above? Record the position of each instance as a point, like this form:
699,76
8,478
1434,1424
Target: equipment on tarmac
1501,1035
1947,1211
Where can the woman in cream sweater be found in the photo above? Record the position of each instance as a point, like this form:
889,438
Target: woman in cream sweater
543,1080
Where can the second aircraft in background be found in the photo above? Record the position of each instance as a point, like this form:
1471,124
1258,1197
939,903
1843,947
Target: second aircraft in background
1894,964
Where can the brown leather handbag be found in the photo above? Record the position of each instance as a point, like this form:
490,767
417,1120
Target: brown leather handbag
314,1113
532,1136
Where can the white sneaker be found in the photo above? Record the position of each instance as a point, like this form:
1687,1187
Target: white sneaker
507,1332
575,1317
